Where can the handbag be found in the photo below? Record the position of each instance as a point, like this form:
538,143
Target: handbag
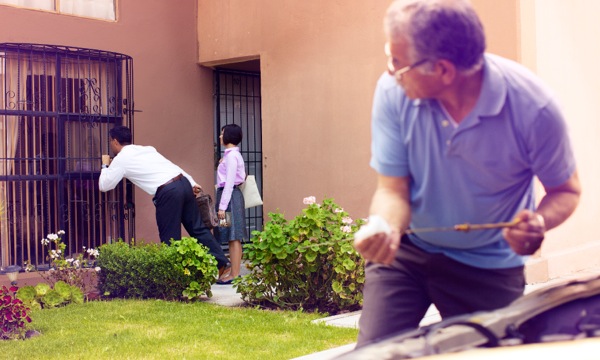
250,191
207,210
225,223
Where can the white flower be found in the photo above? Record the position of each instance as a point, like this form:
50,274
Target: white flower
347,220
346,229
52,237
93,252
337,211
309,200
53,254
70,260
61,232
97,269
76,263
45,241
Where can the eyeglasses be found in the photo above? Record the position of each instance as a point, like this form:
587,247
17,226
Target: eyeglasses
398,73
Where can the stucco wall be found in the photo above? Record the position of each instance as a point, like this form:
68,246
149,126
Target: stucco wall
559,43
172,91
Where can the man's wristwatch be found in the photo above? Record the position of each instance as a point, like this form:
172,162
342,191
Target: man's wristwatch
104,166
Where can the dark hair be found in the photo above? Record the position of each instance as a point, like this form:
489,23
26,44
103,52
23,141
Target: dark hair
121,133
436,29
232,134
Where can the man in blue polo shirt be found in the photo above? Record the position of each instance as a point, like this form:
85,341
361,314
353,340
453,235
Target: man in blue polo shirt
458,137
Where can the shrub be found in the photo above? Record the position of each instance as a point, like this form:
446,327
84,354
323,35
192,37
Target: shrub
44,296
308,263
196,263
182,269
13,313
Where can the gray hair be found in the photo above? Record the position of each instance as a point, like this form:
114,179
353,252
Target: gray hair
438,29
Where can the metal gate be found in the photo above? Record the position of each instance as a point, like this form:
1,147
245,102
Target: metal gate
237,101
57,106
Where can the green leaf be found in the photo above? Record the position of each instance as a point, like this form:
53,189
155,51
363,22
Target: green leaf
52,299
41,289
337,287
349,264
26,293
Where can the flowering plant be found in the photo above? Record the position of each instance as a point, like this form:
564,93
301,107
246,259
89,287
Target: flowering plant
307,263
13,314
70,270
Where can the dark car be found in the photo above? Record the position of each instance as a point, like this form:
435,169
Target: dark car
563,318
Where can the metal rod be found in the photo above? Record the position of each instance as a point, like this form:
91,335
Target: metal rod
466,227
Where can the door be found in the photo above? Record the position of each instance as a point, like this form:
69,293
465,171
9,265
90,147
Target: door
237,101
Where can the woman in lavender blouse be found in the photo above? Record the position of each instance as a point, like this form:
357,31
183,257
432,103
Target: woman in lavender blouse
230,174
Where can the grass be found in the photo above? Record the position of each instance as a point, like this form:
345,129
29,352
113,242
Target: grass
155,329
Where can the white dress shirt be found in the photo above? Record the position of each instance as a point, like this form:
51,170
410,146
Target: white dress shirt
143,166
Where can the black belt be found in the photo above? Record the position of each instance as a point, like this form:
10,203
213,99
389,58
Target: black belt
234,186
176,178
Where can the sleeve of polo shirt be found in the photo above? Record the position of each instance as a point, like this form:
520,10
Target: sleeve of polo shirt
551,153
388,153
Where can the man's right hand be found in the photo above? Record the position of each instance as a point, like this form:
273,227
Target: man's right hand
379,248
391,203
105,159
197,189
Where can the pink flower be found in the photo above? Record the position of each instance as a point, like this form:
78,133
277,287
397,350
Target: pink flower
346,229
309,200
347,220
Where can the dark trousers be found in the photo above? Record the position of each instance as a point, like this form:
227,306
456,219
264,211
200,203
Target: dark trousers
175,205
396,297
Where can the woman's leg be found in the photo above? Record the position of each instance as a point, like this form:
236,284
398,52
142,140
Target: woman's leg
235,256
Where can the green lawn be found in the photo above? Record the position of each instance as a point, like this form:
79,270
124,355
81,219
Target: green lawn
155,329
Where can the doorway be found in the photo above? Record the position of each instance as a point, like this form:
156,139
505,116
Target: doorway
237,100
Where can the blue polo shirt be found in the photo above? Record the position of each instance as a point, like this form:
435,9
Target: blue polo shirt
481,171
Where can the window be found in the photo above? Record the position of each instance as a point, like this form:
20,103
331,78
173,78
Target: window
56,108
96,9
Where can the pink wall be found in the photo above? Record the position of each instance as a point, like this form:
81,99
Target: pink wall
173,92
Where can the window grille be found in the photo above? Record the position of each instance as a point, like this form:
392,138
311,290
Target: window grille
56,108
